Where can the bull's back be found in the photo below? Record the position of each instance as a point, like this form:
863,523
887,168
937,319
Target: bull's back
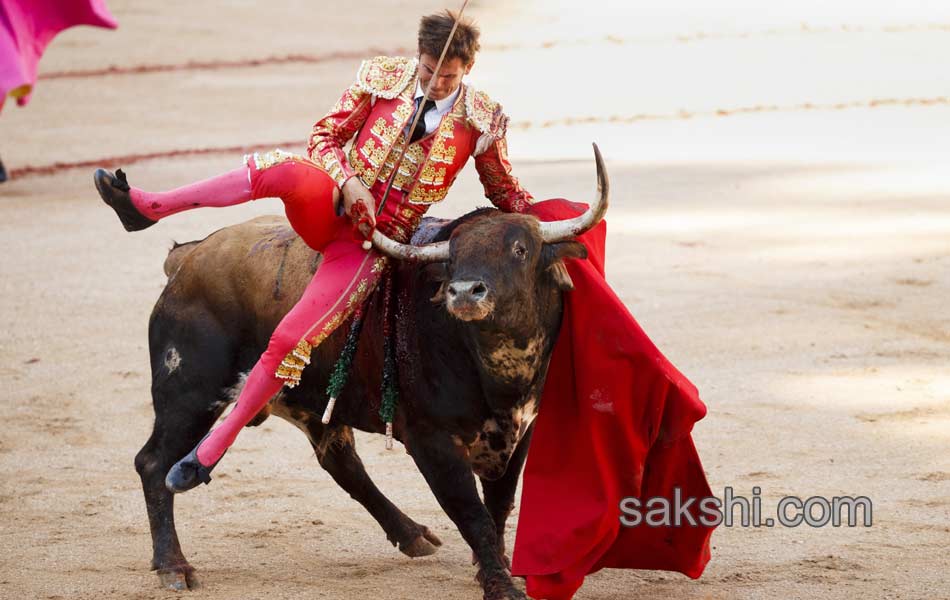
251,272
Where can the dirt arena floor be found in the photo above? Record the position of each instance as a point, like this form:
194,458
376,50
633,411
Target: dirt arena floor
780,226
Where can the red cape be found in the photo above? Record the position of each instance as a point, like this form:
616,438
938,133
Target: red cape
28,26
614,422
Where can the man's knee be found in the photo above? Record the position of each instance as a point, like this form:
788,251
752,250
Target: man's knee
280,345
287,176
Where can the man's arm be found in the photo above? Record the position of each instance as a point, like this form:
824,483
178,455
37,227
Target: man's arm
494,171
329,135
332,132
491,154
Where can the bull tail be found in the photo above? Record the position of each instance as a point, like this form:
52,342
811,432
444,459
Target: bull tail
176,255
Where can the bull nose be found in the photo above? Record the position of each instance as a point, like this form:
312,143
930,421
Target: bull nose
467,290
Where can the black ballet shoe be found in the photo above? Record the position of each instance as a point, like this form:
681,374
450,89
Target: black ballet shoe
189,472
114,190
3,173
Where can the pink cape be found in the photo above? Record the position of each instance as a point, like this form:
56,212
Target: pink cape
26,29
614,422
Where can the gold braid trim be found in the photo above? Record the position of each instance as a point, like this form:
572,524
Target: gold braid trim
266,160
386,76
291,368
484,113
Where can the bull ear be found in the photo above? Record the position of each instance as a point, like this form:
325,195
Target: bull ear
553,261
561,250
561,277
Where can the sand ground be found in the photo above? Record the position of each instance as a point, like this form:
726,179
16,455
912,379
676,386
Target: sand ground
780,226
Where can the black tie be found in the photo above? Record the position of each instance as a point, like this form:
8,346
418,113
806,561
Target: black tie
420,129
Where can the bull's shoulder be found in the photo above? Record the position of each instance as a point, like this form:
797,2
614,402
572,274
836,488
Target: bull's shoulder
260,243
386,76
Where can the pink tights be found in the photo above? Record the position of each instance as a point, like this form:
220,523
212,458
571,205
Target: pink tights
307,193
306,190
345,265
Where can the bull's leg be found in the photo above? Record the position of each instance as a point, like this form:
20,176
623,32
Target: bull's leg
191,366
453,484
336,451
500,494
179,424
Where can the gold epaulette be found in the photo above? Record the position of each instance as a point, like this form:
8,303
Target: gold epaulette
484,113
386,76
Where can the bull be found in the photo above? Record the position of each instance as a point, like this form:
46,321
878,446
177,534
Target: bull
479,311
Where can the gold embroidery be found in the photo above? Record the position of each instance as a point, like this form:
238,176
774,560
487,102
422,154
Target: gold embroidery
379,265
266,160
346,103
388,133
360,166
403,179
430,175
373,153
403,111
423,195
291,368
483,112
386,76
440,153
356,295
415,154
332,167
385,132
409,167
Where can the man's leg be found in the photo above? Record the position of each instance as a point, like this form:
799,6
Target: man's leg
274,174
346,269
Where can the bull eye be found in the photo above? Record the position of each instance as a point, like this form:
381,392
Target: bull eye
520,251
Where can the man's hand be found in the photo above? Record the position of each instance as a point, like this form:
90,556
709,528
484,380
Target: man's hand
354,192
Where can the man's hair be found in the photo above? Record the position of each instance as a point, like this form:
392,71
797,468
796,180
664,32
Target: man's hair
434,31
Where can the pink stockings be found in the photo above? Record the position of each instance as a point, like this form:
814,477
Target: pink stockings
306,190
346,270
233,187
344,276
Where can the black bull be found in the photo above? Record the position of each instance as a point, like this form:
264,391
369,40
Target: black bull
473,336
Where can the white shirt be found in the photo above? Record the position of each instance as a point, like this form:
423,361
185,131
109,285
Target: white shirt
434,116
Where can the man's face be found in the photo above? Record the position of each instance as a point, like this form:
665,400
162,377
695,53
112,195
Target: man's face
447,81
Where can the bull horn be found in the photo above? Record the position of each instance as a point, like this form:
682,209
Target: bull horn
429,253
558,231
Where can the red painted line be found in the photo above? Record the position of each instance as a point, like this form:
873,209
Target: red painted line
730,112
287,59
128,159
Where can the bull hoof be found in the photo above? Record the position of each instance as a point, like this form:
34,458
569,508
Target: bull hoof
425,545
503,590
178,580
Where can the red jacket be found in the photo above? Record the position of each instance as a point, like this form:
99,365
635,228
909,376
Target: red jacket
376,110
